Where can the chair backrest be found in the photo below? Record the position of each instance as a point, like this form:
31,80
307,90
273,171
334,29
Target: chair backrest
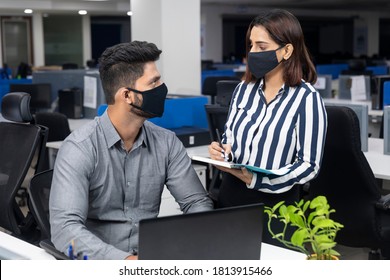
225,90
346,179
210,85
57,123
39,193
216,118
20,143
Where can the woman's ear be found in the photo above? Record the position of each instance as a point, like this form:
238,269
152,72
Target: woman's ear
288,50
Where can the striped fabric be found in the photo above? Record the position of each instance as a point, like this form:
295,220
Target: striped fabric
289,131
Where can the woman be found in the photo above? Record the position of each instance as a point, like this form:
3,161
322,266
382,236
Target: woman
276,118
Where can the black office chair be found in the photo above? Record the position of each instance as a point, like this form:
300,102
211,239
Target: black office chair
225,90
21,144
349,184
216,118
58,125
210,85
39,194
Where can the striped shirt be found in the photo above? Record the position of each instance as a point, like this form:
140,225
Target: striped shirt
287,132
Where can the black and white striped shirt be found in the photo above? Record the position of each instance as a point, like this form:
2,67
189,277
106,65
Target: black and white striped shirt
288,132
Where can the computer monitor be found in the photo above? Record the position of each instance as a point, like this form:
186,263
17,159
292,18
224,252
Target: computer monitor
355,87
40,95
324,85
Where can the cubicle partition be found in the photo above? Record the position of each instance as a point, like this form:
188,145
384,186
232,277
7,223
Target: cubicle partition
386,129
86,80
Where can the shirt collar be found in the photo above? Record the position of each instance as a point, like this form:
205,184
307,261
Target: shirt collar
112,136
283,89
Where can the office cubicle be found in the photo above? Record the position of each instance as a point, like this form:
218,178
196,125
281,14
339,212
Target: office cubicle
86,80
324,85
354,87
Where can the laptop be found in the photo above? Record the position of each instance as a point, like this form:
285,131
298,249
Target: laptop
233,233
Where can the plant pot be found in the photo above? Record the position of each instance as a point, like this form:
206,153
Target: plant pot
325,257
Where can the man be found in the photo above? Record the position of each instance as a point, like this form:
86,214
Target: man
110,173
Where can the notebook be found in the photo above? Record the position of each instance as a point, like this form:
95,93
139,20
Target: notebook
233,233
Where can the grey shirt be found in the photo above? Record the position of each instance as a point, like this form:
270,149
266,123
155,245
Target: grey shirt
100,192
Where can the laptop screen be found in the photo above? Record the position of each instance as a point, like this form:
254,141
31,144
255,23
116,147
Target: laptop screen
230,233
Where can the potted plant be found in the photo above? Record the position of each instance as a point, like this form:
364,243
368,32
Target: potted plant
314,233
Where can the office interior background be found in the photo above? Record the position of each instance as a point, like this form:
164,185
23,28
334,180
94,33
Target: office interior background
209,30
195,35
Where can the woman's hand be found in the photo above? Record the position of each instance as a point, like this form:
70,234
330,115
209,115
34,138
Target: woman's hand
218,153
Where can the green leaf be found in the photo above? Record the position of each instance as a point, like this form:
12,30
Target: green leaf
298,237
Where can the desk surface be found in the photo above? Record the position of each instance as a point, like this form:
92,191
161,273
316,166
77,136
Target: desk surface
16,249
379,162
270,252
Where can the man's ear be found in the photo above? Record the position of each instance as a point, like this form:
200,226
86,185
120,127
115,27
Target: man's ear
125,95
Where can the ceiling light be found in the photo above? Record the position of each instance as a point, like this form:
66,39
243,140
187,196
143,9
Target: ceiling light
28,11
82,12
129,13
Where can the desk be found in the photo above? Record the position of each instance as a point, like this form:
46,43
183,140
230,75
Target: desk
271,252
379,162
16,249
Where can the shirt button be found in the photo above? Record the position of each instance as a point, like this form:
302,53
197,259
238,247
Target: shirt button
128,183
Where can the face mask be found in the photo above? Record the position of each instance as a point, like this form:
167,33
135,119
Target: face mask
260,63
153,100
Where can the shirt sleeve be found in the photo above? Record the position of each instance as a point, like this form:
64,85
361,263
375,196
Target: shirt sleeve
311,132
183,182
69,204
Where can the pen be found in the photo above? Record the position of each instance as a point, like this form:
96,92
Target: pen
220,144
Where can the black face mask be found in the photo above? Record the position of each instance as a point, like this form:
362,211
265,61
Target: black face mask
260,63
153,100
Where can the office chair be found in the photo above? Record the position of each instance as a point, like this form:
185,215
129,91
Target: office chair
21,143
39,194
210,85
349,184
225,89
216,118
58,126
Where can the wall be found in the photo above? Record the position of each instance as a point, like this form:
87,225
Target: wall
211,22
174,26
63,39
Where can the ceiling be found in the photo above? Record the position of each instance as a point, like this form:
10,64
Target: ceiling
120,7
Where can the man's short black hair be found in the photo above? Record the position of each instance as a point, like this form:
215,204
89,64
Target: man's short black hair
121,65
